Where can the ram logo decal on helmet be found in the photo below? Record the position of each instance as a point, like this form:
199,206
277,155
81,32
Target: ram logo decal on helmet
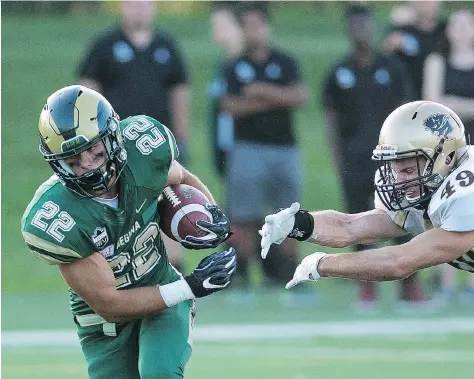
440,125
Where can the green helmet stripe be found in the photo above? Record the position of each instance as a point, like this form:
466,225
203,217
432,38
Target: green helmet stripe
62,111
103,114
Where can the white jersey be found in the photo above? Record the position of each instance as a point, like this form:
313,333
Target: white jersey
451,207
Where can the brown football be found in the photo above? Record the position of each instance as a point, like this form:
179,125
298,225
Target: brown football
179,208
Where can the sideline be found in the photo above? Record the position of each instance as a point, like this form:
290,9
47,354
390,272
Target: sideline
238,332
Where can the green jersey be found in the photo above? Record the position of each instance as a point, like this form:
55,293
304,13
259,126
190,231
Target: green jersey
60,226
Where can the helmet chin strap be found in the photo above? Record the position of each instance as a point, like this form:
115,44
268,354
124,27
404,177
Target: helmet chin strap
412,199
107,175
438,150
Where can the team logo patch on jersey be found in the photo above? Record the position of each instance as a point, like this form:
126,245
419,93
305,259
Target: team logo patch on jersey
108,251
100,237
439,124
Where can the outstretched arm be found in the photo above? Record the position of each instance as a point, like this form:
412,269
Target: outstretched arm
337,229
327,228
428,249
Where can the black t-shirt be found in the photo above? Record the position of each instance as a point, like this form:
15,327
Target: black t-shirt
418,45
363,98
135,81
460,83
274,126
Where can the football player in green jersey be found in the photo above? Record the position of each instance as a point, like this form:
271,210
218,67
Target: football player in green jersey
97,219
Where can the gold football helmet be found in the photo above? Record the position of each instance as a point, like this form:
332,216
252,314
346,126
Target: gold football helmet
74,119
417,129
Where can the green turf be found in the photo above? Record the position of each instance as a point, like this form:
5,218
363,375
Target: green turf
328,358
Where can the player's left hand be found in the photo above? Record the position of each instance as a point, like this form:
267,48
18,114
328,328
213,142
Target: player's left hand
307,270
218,230
277,227
213,273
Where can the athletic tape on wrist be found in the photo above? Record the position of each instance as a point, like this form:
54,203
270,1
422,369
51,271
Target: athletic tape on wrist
176,292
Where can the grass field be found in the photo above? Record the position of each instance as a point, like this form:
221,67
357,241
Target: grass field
40,54
325,340
434,356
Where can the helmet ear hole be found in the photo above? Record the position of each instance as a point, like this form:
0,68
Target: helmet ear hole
449,157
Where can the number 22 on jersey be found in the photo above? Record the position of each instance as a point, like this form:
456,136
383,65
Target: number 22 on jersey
145,142
62,221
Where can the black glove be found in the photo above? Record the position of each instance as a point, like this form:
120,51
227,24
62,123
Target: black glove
217,231
213,273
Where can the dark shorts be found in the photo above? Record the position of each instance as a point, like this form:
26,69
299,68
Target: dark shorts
357,181
262,178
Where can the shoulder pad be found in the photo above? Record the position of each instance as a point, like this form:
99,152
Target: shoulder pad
146,136
49,230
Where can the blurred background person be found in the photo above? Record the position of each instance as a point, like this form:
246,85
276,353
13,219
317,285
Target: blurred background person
264,87
140,70
449,79
359,93
228,35
402,15
415,32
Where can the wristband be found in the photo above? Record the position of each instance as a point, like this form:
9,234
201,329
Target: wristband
303,227
176,292
315,273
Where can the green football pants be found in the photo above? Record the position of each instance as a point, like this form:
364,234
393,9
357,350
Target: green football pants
156,347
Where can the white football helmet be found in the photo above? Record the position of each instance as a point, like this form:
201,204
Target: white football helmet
417,129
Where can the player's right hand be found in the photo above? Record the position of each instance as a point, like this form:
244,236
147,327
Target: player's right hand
213,273
277,227
307,270
217,231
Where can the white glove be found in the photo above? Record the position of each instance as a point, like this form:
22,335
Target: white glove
277,227
307,270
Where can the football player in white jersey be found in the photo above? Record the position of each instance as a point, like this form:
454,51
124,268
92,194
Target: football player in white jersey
424,186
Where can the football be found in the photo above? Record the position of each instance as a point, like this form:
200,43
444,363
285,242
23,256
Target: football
180,207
